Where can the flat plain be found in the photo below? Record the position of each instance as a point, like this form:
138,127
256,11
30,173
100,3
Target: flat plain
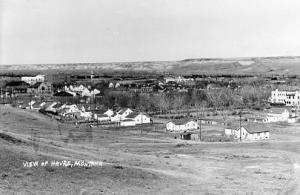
136,161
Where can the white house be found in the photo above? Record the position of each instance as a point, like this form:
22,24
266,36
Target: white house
123,113
78,89
86,115
37,105
89,93
111,85
182,126
115,118
109,112
69,109
33,80
139,118
48,106
249,132
101,117
55,108
288,98
81,90
277,115
117,85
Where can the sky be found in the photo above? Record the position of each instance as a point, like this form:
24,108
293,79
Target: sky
83,31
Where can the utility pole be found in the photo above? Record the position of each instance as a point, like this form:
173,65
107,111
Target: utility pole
200,125
240,125
30,97
200,130
97,120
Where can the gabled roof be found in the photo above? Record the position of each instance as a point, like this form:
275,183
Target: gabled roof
252,127
25,104
127,120
212,119
57,105
36,85
182,122
277,110
63,93
133,115
99,111
36,104
17,84
121,111
47,104
102,115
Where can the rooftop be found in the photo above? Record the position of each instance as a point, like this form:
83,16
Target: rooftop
36,85
182,122
251,127
133,115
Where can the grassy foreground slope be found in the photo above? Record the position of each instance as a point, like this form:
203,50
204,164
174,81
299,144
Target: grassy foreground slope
135,163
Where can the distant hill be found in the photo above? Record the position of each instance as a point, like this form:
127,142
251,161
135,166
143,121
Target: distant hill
254,65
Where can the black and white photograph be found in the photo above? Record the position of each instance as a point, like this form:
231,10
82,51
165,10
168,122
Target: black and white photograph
133,97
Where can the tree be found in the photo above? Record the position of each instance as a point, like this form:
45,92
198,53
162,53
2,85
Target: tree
221,101
163,102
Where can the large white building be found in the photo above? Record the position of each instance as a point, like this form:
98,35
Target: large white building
288,98
178,79
277,115
33,80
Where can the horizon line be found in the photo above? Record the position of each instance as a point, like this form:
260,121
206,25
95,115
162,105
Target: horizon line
131,61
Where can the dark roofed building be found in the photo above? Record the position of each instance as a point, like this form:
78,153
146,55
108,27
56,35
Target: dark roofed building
16,87
40,88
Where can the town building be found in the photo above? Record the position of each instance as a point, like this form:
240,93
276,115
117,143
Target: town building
190,136
277,115
37,105
123,113
64,94
182,125
40,88
16,87
127,122
287,98
249,132
101,117
139,118
34,79
70,110
178,79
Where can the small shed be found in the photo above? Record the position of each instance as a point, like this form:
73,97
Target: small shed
189,136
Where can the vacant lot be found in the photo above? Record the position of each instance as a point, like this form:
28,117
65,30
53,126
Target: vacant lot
140,162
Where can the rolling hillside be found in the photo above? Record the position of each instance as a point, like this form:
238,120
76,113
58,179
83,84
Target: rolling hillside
261,65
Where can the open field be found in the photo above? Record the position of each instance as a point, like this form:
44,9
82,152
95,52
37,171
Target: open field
141,162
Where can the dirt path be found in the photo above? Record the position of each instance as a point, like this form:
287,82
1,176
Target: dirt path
293,187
